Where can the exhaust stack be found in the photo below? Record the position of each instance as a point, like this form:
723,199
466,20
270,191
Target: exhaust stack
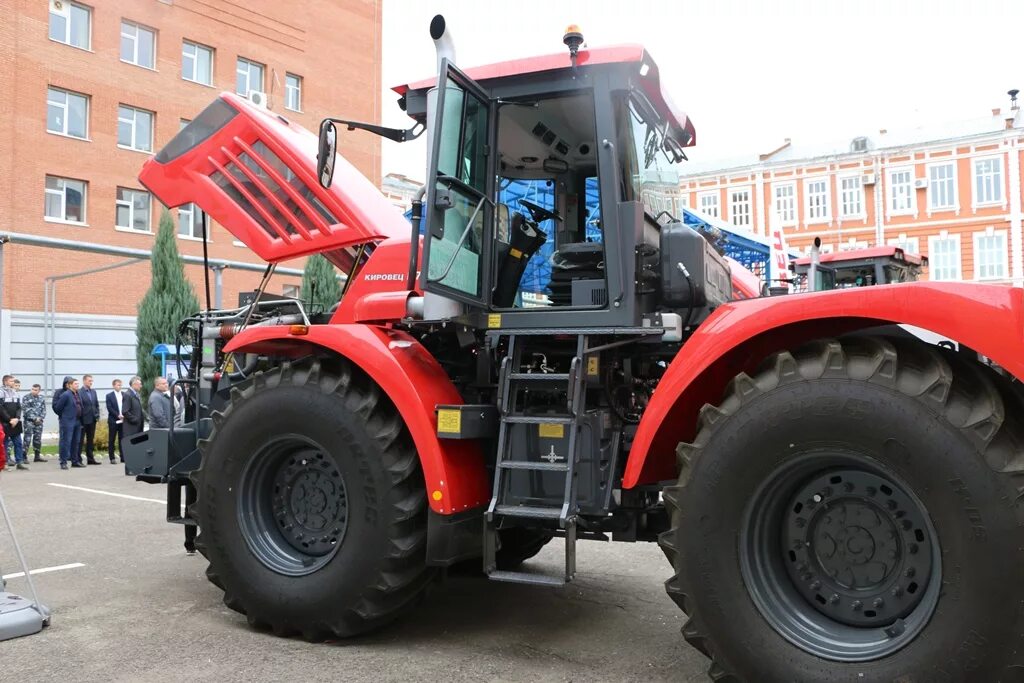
443,43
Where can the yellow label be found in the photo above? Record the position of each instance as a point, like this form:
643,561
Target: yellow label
551,431
515,253
493,320
593,365
449,421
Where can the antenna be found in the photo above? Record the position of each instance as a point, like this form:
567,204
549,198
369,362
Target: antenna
1013,98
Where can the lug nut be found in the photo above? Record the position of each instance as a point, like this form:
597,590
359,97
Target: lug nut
912,548
910,572
834,599
878,602
801,522
856,605
815,585
896,592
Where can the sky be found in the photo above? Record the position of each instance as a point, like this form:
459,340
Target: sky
748,74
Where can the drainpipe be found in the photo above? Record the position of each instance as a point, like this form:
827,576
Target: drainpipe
1017,257
879,201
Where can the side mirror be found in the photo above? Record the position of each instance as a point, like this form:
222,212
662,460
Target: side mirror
325,155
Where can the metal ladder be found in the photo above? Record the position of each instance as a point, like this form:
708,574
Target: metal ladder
511,380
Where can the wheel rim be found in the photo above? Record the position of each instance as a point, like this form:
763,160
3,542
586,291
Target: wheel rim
293,506
840,557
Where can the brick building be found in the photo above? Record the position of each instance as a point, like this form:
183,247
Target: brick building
949,192
92,89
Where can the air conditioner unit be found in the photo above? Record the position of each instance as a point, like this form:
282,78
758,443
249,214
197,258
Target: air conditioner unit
60,8
920,183
868,179
258,98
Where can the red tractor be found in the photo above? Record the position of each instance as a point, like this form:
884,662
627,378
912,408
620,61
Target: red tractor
838,499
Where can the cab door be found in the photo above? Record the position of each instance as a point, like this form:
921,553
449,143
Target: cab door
460,187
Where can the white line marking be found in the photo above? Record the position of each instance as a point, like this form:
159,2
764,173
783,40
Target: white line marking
108,493
45,570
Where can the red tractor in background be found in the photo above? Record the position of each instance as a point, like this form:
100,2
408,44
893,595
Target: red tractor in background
838,499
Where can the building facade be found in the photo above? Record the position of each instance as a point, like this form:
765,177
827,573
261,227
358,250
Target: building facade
400,190
951,193
92,89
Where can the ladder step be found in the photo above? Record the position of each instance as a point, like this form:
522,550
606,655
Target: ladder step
540,376
531,465
528,511
525,577
537,419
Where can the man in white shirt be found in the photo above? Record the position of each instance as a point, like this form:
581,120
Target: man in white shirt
115,422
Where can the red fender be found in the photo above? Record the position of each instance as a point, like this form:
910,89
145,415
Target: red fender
987,318
413,380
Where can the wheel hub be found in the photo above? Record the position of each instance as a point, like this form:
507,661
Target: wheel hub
309,505
857,548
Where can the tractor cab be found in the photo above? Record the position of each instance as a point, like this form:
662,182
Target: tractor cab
549,181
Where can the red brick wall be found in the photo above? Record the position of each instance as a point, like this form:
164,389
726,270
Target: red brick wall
333,44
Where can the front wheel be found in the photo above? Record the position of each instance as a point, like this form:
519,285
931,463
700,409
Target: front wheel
850,513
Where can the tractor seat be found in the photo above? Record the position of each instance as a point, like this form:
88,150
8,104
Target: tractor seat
574,261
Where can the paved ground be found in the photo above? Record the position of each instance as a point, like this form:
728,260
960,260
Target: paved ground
140,608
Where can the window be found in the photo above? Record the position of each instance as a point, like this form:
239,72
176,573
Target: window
944,257
135,128
138,45
249,77
190,222
132,210
990,256
942,186
293,92
71,23
67,113
182,123
785,203
909,245
291,291
197,63
988,181
852,205
739,208
65,200
901,191
709,204
816,199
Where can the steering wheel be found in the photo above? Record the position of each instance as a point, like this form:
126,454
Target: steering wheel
539,213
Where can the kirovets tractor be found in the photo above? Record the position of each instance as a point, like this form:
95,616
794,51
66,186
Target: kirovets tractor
545,353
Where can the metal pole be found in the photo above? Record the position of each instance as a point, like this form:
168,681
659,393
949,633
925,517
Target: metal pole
46,338
24,564
218,285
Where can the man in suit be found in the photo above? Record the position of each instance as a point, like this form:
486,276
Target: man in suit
67,403
131,409
90,416
160,410
115,421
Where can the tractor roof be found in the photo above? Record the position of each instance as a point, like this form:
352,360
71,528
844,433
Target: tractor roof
614,54
864,254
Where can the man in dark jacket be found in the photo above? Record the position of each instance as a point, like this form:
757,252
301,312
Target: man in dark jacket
131,408
68,406
160,411
90,416
115,421
10,413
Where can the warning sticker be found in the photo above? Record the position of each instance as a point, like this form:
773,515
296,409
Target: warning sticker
493,320
449,421
593,365
551,431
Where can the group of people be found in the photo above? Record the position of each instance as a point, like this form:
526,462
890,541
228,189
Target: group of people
78,412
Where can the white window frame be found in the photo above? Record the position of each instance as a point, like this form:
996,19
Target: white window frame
67,28
716,195
51,89
791,200
289,89
827,204
734,205
64,200
857,193
909,245
1004,260
955,205
890,192
248,73
932,261
135,42
196,47
291,287
976,202
134,124
195,231
118,202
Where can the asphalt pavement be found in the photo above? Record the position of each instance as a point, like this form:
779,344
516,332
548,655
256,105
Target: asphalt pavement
140,609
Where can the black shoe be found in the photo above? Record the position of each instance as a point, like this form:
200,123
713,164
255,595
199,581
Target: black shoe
40,458
94,461
63,465
21,466
78,464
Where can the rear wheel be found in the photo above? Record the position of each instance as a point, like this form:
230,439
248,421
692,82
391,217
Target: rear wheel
850,513
311,504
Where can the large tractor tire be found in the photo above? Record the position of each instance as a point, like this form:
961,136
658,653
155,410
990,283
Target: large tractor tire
852,513
518,544
311,504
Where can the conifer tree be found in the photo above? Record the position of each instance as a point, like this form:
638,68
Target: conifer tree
320,288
